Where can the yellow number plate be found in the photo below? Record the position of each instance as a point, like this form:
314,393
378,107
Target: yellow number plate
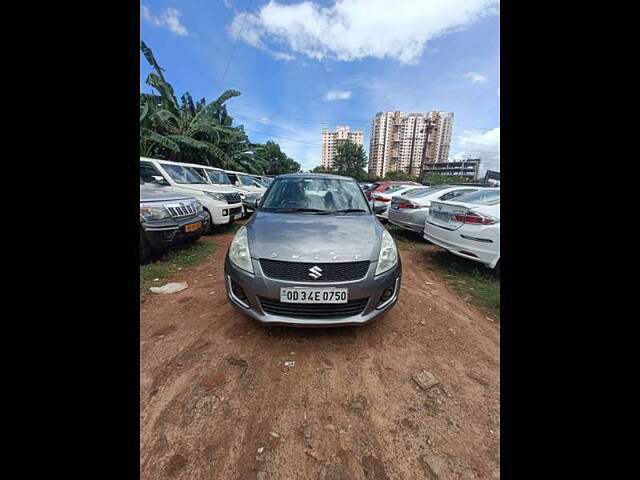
192,226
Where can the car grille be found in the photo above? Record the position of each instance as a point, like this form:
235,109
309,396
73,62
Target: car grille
313,310
300,271
181,210
233,211
232,197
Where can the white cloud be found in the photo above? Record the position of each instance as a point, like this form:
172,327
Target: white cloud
483,145
228,3
355,29
338,95
168,18
476,77
282,56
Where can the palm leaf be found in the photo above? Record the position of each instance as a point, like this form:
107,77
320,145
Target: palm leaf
156,138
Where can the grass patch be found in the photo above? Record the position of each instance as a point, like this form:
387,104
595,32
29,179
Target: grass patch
405,239
180,256
471,279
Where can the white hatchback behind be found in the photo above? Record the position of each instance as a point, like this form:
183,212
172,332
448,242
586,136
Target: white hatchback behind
468,227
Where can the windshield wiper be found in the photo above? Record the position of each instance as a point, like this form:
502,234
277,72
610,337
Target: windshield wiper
291,210
349,210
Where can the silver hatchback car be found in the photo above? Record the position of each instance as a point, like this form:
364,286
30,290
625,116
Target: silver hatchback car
313,254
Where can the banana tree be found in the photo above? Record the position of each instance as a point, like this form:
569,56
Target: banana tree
187,131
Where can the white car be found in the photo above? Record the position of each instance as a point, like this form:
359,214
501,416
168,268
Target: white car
384,198
246,182
468,227
410,210
222,203
217,176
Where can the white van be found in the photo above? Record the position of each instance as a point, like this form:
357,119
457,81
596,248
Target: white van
223,203
246,182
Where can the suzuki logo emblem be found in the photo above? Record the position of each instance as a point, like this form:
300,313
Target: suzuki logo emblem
315,272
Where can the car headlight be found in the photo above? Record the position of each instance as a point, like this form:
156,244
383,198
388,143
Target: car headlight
198,206
239,251
217,196
388,254
150,212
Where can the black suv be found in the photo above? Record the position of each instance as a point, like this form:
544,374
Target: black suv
167,219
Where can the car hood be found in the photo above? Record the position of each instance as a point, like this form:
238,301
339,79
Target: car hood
149,193
314,238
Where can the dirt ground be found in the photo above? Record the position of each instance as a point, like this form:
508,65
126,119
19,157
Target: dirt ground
218,403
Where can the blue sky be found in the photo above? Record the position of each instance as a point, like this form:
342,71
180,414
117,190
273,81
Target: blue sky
302,66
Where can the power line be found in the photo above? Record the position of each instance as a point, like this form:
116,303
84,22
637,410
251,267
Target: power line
233,51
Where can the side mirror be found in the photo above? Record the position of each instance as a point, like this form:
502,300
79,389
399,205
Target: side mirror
250,202
379,207
237,183
159,179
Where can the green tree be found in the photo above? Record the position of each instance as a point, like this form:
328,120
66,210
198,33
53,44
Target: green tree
350,160
320,169
275,161
197,132
439,179
400,176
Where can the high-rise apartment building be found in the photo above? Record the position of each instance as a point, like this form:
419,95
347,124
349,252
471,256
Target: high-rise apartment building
331,140
404,143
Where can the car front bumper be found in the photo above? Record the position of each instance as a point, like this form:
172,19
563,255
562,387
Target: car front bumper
257,286
223,214
164,233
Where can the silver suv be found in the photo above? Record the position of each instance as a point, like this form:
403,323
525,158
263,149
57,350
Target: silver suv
167,219
313,254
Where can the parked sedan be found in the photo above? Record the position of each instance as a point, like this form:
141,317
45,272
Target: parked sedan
313,254
382,186
410,210
384,199
469,226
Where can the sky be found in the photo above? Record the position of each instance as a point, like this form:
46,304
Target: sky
302,66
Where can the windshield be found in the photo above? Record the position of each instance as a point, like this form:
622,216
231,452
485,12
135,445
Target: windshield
217,177
180,174
395,188
421,192
246,180
259,182
481,197
314,194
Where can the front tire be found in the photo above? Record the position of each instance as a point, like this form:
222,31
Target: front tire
210,227
145,247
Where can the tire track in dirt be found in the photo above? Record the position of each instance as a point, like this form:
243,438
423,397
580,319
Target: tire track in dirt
352,387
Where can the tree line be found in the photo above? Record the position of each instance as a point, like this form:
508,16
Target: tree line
201,132
351,160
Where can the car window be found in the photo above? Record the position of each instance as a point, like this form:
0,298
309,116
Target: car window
323,194
200,171
180,174
421,192
246,180
148,171
218,177
481,197
456,193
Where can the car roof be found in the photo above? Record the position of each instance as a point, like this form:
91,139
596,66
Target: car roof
314,175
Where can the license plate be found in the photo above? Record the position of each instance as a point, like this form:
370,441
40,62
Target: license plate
192,226
237,216
314,295
444,217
